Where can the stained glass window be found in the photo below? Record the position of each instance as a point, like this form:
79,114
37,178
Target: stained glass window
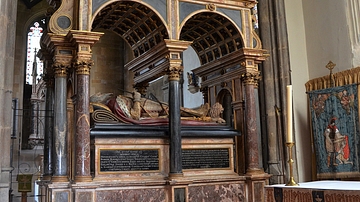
33,46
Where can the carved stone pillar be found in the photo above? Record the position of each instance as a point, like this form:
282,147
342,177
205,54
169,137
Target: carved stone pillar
83,41
60,144
250,80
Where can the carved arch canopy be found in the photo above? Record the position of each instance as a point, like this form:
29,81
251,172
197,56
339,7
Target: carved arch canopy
211,33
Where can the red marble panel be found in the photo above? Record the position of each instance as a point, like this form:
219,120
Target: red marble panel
217,192
138,195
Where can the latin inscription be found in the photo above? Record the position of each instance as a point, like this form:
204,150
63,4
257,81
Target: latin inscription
129,160
205,158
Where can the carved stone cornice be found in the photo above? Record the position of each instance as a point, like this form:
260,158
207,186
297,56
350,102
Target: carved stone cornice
251,78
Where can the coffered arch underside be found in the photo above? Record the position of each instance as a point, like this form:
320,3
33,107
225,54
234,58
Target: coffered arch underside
214,32
141,26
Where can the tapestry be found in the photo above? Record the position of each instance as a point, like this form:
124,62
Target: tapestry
335,129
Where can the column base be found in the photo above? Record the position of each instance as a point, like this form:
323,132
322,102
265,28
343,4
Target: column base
254,171
46,178
60,179
83,179
175,176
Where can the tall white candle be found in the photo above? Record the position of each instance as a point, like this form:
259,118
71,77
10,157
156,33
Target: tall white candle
289,113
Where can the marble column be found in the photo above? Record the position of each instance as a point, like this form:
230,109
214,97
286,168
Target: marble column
82,133
49,126
49,113
82,63
174,70
174,118
250,80
60,143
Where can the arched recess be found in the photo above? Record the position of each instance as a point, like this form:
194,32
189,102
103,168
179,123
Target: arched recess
213,34
225,98
140,29
137,23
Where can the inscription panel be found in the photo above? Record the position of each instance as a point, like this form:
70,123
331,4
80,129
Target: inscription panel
205,158
112,160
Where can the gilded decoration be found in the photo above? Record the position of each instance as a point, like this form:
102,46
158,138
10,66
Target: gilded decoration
175,69
60,69
251,78
83,67
211,7
342,78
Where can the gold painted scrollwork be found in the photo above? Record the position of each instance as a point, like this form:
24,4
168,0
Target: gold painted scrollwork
211,7
251,78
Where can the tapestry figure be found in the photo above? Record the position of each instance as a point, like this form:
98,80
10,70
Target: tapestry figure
337,146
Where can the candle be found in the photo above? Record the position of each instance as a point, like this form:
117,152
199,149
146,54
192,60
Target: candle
289,113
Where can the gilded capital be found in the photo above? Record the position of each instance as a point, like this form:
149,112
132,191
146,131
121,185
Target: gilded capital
83,67
60,69
175,69
251,78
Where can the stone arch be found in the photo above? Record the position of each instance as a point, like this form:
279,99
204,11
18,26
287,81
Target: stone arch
213,34
142,28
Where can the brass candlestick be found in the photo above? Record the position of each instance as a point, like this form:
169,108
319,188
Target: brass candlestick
291,161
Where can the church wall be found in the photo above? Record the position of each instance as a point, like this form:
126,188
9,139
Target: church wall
318,32
191,61
25,158
24,17
327,36
108,74
353,14
299,66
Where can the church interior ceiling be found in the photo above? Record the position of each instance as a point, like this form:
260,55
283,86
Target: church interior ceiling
213,35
